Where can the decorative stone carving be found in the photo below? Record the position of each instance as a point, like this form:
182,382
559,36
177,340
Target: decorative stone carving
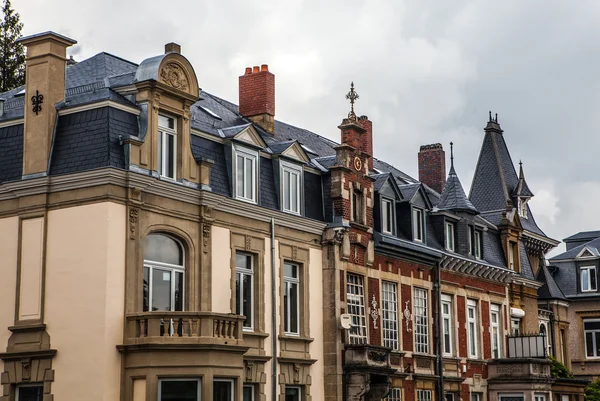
26,369
294,252
407,317
296,373
133,219
205,236
173,75
374,311
248,242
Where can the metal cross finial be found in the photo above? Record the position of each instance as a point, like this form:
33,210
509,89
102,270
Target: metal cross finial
352,96
451,156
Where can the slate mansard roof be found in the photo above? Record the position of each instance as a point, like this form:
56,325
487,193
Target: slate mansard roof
92,139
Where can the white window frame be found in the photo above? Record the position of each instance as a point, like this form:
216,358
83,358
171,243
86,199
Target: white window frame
355,307
539,397
288,283
515,326
252,390
20,386
418,224
395,394
421,320
299,391
253,157
449,237
163,134
423,395
231,385
179,379
591,272
594,334
476,397
447,326
240,272
472,343
478,246
389,311
495,330
387,219
173,270
291,169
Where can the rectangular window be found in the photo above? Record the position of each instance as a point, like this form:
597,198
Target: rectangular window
420,320
588,278
389,309
423,395
290,181
387,216
418,225
515,326
291,298
245,174
356,309
495,331
450,236
179,389
357,207
478,244
163,287
539,397
449,396
395,394
244,288
472,328
512,256
447,325
476,397
591,330
222,390
30,392
293,393
248,392
167,146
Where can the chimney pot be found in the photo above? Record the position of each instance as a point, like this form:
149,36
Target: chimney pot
264,67
248,71
257,97
255,69
432,166
172,48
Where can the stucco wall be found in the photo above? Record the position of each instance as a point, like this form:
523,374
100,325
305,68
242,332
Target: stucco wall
85,272
221,271
316,323
9,229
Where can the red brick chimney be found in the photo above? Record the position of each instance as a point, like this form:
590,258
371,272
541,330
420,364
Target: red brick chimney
432,166
366,140
257,96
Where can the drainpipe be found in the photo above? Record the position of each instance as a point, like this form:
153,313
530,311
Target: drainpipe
274,312
437,324
551,333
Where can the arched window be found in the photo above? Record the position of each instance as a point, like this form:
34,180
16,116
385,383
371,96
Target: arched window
164,274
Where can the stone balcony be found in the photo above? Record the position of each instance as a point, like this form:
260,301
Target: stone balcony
183,328
367,370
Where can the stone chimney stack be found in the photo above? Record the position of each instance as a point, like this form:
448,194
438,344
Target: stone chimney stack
257,96
432,166
45,67
366,141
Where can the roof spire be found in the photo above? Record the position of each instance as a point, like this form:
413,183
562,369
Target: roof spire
352,96
452,172
522,189
493,124
521,175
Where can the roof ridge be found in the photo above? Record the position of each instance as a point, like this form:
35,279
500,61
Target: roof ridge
118,58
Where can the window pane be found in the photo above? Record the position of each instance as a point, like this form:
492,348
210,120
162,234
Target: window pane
248,393
249,178
166,122
161,138
292,394
290,270
293,307
160,248
146,288
356,308
593,279
178,291
238,292
589,344
179,390
161,290
243,261
247,300
31,393
240,176
585,279
222,391
286,190
170,156
294,192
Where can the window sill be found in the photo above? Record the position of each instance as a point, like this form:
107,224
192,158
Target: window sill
356,224
289,337
475,360
255,334
253,202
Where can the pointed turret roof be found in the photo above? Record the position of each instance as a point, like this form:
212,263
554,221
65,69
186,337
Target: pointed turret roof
453,195
522,189
549,289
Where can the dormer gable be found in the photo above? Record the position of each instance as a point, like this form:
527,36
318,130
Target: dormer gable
243,133
588,253
291,150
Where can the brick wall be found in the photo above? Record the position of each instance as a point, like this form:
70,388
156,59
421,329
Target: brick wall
257,92
432,166
485,323
462,326
367,138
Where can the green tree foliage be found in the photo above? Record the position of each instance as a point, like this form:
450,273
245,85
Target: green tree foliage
12,54
592,391
558,370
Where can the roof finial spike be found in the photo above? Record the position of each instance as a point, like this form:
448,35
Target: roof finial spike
490,116
521,175
496,121
452,158
352,96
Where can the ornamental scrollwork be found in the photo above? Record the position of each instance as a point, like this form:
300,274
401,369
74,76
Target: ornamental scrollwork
374,312
173,75
407,317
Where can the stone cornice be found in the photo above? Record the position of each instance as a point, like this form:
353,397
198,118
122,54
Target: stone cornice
476,268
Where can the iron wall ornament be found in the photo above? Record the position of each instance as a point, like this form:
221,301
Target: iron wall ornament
37,101
407,316
374,312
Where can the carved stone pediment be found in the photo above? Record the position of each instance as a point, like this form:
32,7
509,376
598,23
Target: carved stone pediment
173,75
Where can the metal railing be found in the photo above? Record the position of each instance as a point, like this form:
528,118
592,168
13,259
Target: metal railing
527,346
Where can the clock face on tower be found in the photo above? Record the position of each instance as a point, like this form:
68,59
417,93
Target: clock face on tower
357,164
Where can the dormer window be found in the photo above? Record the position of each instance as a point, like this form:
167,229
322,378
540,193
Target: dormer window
450,236
522,207
418,224
512,256
387,216
475,242
291,177
167,146
245,167
588,278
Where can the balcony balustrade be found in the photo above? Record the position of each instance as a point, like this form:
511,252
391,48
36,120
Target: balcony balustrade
183,328
527,346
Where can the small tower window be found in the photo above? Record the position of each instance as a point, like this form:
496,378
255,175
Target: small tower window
357,206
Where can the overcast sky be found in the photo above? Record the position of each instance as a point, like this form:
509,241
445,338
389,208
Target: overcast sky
426,72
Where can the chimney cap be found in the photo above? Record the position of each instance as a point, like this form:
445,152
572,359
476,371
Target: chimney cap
172,47
26,40
433,146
